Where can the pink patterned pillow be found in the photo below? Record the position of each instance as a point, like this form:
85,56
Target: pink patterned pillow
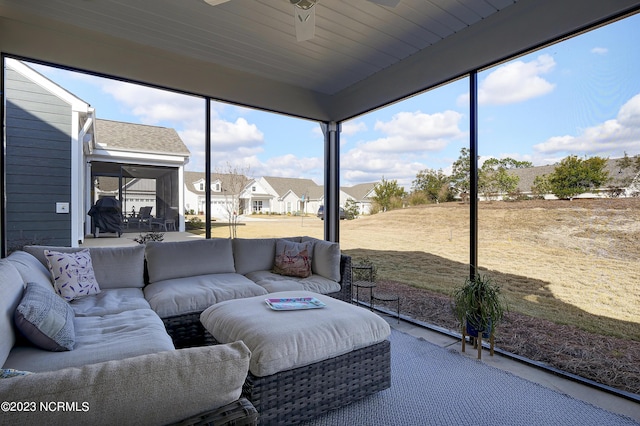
72,273
293,259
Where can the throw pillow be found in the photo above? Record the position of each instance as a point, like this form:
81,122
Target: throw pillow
45,319
293,259
7,373
72,273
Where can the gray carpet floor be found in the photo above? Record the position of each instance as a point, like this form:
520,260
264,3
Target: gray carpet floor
431,385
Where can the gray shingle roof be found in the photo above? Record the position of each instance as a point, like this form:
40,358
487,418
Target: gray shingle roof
298,186
118,135
227,180
359,191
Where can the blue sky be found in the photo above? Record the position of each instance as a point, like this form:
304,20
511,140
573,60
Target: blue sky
579,97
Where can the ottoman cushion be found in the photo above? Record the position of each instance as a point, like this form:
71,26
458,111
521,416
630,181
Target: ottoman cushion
283,340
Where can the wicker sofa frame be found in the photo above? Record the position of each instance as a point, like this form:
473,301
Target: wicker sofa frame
293,396
238,413
187,330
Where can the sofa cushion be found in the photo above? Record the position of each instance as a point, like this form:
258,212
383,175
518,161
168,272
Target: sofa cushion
110,301
45,319
11,289
31,270
253,254
168,260
326,258
285,340
194,294
275,282
114,267
154,389
98,339
72,273
293,259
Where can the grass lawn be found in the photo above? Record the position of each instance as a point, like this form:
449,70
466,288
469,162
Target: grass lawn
570,262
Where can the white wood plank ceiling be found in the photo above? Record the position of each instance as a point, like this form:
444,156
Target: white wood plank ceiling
246,51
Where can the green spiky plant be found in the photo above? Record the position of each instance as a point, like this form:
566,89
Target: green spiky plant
479,303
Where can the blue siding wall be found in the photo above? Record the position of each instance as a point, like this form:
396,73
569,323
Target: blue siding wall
38,164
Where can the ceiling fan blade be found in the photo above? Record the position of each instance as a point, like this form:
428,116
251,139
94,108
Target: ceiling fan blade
215,2
305,23
388,3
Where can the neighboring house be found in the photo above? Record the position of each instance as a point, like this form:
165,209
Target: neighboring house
225,194
280,195
45,183
617,175
362,194
57,153
146,161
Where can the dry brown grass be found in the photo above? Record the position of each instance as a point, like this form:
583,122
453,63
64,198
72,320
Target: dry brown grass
569,270
570,262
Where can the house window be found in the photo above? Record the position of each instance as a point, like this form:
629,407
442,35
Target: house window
217,187
201,186
257,206
253,189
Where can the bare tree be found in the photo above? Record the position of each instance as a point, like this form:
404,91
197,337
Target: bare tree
233,179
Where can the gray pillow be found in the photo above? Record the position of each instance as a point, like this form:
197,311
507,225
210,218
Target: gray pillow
179,259
253,254
45,319
326,258
114,267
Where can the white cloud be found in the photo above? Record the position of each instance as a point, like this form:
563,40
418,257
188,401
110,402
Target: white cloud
226,135
610,138
153,106
232,142
408,137
416,131
600,50
515,82
361,165
351,127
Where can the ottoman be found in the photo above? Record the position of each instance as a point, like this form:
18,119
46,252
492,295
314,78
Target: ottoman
304,362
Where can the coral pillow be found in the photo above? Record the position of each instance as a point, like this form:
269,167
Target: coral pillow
293,259
45,319
72,273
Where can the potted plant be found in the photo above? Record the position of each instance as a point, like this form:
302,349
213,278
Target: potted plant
479,306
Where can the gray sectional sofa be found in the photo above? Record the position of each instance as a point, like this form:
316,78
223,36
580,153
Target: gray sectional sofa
123,366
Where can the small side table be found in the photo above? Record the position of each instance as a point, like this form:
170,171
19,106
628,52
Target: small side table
387,297
365,280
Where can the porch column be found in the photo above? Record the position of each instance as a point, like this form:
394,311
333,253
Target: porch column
207,169
473,184
331,131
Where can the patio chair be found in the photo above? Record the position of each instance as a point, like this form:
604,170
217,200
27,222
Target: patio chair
167,223
142,219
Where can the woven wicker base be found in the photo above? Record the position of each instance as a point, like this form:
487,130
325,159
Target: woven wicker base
297,395
187,331
238,413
